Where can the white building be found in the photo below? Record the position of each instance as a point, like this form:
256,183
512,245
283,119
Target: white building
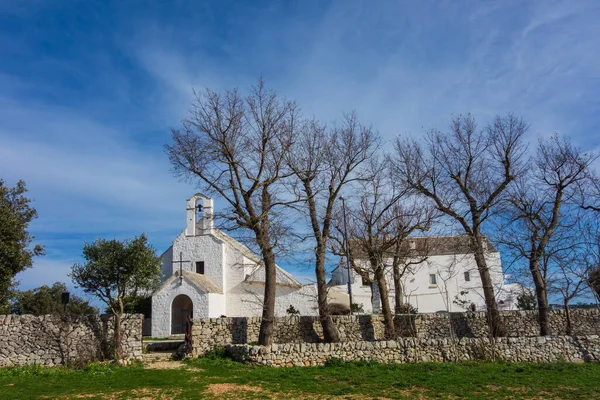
208,274
447,280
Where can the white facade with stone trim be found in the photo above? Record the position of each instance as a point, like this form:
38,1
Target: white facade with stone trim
219,276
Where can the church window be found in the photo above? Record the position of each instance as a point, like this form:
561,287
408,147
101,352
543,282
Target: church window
432,280
200,267
467,276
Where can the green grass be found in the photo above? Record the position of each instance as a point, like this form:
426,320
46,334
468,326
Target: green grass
222,378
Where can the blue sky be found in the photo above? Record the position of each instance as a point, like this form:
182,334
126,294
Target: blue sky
90,89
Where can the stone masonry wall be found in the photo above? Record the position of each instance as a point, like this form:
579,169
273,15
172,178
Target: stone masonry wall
408,350
215,332
62,340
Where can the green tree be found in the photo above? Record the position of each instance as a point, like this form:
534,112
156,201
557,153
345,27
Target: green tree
16,254
117,272
48,300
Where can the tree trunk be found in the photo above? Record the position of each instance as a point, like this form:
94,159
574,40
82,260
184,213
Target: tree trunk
493,315
388,318
117,337
265,336
542,297
569,327
330,333
398,290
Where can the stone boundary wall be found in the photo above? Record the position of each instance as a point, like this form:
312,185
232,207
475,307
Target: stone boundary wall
411,350
215,332
64,340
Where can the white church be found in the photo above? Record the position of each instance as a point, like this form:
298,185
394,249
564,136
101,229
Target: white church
208,274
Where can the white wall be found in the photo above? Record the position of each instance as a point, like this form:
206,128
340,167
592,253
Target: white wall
200,248
166,264
449,270
161,306
247,300
216,305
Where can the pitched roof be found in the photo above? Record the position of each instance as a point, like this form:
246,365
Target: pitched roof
199,281
419,246
283,278
249,254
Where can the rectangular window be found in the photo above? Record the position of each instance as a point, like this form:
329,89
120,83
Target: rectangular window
432,279
467,277
365,282
200,267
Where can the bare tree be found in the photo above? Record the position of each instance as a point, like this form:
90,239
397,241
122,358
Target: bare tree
589,231
236,147
373,222
568,276
590,193
541,204
409,218
465,172
324,161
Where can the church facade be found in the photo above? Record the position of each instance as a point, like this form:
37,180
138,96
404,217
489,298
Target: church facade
209,274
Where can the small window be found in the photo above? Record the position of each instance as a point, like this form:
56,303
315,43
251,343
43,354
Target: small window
432,279
365,282
200,267
467,276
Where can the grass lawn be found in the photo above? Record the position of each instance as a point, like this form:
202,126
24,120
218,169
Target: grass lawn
222,378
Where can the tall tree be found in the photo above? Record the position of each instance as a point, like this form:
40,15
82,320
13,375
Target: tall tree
410,217
324,161
373,223
568,273
465,172
115,272
236,147
48,300
541,204
16,255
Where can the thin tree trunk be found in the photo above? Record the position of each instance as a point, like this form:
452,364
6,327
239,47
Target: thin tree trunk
330,333
265,336
117,337
542,297
398,290
263,238
494,320
569,326
388,318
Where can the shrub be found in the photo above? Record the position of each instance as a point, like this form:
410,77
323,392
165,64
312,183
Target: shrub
357,308
218,353
334,362
407,308
292,310
526,301
338,309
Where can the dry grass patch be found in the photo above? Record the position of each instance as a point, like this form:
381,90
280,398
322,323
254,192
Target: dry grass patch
221,389
164,365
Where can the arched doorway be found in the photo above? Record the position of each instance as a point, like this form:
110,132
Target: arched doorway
182,307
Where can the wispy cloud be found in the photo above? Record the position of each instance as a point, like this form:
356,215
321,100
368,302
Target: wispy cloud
89,93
